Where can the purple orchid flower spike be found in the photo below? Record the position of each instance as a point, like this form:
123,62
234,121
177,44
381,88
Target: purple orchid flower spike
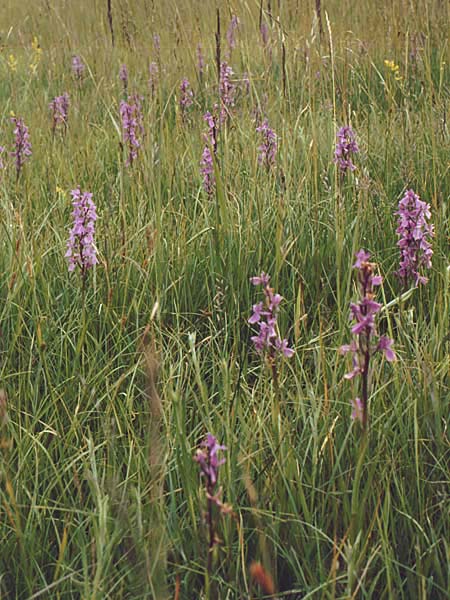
200,62
210,148
265,315
78,67
22,145
186,96
60,112
231,34
227,90
208,459
366,343
346,146
415,235
132,127
267,151
81,250
123,76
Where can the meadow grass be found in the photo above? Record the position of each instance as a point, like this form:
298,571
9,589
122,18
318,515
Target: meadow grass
100,496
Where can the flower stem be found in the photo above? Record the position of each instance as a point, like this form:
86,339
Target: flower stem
357,509
211,543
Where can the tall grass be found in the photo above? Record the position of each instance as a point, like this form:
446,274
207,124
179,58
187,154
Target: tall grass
100,497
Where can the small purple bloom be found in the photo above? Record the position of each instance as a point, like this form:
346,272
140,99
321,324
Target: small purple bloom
385,345
60,111
81,250
123,76
363,313
415,235
231,40
265,315
227,90
207,163
361,257
258,313
345,147
153,72
262,279
264,34
207,171
200,61
211,136
78,67
267,151
157,43
186,95
209,461
358,410
283,347
22,144
132,127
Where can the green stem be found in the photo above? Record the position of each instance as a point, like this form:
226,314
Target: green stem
357,511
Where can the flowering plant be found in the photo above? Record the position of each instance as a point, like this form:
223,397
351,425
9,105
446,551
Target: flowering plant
366,343
265,315
81,250
415,233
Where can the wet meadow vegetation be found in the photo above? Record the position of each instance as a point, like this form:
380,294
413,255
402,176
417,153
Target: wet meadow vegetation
224,299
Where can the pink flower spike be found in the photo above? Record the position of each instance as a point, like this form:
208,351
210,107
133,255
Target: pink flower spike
415,235
81,251
265,315
366,341
345,147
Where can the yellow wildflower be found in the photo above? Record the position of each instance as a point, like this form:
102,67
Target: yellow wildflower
390,64
36,47
12,63
37,54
